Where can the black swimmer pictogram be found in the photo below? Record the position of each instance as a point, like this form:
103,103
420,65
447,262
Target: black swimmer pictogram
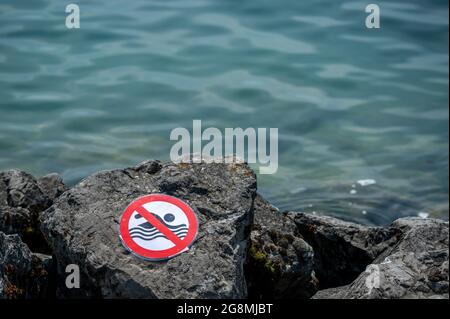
147,231
158,227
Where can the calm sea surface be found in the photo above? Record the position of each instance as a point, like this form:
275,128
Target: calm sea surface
362,114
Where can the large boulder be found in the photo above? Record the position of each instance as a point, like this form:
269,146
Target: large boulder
280,263
23,274
245,246
22,199
342,250
82,228
416,267
52,186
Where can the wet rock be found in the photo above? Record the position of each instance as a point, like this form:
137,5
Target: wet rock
416,267
82,228
280,262
22,199
23,274
342,250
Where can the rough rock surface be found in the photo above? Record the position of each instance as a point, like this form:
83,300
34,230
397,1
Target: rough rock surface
52,186
82,229
22,199
342,250
22,273
284,252
280,263
416,267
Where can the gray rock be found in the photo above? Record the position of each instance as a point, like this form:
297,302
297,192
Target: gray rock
280,262
82,229
286,251
22,199
342,250
22,273
52,185
416,267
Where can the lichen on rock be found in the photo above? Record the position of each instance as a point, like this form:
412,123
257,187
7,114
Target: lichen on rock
280,262
23,274
82,229
245,246
22,199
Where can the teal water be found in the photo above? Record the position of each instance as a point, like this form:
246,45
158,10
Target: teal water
350,103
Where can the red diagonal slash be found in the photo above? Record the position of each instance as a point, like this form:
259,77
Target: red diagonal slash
160,226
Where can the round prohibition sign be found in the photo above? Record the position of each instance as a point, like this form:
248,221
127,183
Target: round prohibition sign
158,227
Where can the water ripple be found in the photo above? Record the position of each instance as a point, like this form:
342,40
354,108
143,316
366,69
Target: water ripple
350,103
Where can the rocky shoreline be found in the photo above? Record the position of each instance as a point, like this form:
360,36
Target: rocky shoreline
245,248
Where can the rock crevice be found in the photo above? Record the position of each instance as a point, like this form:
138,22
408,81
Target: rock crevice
245,248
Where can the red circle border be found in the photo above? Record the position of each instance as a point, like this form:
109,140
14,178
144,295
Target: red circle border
148,254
